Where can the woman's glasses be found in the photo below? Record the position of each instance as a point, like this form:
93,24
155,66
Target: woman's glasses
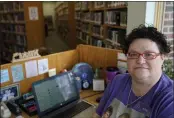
145,55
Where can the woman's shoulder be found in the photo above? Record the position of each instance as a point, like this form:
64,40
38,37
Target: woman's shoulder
120,80
122,77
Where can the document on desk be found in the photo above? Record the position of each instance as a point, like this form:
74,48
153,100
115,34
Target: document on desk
31,69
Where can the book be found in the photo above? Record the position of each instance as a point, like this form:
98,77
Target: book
123,18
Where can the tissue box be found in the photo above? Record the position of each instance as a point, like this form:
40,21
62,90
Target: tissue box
98,85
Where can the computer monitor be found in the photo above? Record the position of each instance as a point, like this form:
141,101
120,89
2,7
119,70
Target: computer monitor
10,92
56,92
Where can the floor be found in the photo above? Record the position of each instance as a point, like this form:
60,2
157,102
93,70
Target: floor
54,42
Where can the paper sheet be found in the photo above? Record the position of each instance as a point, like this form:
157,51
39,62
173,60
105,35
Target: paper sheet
17,73
33,13
122,66
31,69
43,66
4,76
122,56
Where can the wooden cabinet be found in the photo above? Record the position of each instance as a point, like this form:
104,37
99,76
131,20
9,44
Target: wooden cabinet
18,32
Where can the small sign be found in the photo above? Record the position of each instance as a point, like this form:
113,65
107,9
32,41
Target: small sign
4,76
33,13
43,66
122,56
25,55
31,69
17,73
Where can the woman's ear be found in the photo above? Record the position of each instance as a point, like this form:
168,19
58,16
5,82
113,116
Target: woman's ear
163,57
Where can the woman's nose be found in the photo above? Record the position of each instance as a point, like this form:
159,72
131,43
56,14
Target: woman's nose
141,60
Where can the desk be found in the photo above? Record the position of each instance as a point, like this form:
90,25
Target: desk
87,95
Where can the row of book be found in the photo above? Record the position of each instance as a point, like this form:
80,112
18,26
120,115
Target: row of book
12,17
99,4
85,37
14,28
97,42
11,6
112,17
112,35
116,18
97,30
85,27
78,24
77,15
63,12
116,4
82,5
96,17
19,39
62,6
115,36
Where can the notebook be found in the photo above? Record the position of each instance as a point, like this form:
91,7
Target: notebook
58,96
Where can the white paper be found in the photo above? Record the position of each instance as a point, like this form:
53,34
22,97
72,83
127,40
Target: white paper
122,56
4,76
98,85
33,13
17,73
31,69
122,64
43,66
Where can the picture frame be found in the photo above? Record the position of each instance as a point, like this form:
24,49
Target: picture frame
10,92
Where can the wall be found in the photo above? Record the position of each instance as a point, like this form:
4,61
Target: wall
167,25
136,15
48,9
140,13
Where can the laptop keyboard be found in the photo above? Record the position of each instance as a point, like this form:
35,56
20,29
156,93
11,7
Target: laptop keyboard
79,107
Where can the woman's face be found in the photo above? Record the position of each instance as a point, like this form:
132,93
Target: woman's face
142,69
106,114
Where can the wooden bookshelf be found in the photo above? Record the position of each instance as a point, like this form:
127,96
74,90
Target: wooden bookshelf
65,12
101,26
115,26
18,32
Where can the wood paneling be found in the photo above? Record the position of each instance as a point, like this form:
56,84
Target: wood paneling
97,57
60,61
34,28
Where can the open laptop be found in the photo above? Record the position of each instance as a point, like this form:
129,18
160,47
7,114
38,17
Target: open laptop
58,97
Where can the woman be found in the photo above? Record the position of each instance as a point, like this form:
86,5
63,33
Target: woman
144,92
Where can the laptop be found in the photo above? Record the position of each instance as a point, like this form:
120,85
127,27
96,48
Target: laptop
58,97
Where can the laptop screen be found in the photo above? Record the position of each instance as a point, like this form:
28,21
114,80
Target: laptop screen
55,92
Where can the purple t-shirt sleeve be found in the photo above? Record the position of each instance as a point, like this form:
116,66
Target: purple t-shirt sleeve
166,105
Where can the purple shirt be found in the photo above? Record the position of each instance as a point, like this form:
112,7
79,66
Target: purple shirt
158,102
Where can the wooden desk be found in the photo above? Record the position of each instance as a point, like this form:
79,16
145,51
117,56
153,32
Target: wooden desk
87,95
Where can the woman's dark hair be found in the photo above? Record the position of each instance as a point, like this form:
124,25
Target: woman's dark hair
150,33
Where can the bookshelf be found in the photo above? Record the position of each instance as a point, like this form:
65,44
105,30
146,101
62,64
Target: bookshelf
17,32
66,23
101,24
